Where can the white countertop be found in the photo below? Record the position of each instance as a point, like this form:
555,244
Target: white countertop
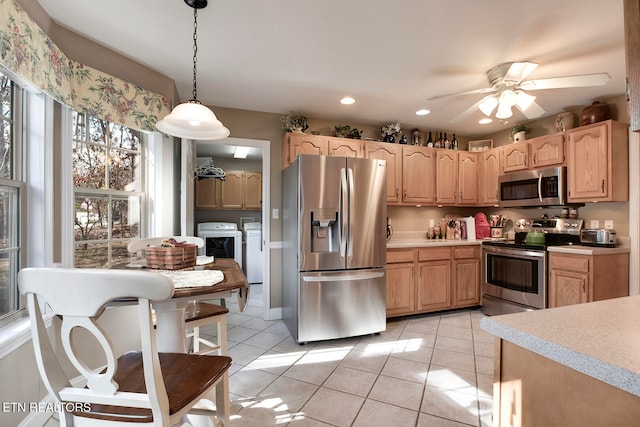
418,239
600,339
588,250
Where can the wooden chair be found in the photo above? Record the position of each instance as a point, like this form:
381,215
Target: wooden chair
145,386
197,313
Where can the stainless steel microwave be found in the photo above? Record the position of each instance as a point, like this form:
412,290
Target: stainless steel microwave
538,187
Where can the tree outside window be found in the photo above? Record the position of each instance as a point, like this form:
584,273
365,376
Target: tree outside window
108,190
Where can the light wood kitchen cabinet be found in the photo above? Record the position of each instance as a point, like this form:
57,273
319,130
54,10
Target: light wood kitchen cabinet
577,279
252,190
392,153
488,177
446,177
598,164
632,47
232,190
207,193
239,190
547,150
434,279
294,143
467,178
400,282
422,280
515,157
418,175
343,147
466,276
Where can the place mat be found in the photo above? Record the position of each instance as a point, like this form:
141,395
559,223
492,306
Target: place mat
193,279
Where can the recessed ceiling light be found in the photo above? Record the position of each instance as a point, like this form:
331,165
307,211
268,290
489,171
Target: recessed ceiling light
485,121
347,100
422,112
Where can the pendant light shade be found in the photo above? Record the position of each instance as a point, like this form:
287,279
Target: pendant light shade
191,119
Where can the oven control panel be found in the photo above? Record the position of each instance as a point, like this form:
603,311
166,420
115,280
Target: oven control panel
553,225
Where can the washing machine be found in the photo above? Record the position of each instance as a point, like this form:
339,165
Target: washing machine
254,256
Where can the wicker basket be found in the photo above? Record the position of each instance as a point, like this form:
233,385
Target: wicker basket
171,258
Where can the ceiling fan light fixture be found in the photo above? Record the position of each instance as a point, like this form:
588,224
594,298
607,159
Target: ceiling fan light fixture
191,119
488,104
508,98
524,100
504,111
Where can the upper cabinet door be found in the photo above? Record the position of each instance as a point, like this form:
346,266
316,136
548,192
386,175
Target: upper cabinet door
342,147
547,150
392,153
232,190
490,168
253,190
301,143
467,178
446,177
418,175
598,165
515,157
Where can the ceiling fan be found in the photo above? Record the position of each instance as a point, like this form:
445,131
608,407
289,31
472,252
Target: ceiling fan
507,90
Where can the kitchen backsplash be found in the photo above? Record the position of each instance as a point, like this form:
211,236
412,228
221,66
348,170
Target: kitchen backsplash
408,218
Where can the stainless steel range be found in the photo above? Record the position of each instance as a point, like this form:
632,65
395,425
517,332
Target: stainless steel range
515,272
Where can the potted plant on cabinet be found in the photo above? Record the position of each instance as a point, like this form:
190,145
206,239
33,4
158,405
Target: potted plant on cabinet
519,133
294,123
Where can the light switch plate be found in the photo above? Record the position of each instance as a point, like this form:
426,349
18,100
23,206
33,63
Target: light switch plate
275,214
608,224
595,223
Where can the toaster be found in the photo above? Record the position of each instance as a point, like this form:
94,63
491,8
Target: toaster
598,237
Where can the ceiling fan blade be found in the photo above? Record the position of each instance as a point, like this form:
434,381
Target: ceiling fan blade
466,113
534,110
468,92
518,71
598,79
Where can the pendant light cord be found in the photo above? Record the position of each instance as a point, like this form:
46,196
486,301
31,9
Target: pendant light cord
195,53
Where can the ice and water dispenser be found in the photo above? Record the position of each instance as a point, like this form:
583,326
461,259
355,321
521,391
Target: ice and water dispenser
324,231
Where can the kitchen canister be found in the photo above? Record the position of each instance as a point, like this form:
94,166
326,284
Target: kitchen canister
565,121
594,113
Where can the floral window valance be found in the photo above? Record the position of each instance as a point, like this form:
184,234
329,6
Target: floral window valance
28,52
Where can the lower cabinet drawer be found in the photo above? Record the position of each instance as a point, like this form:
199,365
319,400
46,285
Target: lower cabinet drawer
567,262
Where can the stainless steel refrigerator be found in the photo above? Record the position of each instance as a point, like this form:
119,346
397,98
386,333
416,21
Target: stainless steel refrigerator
334,255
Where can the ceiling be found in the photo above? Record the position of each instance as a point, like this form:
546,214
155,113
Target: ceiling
295,56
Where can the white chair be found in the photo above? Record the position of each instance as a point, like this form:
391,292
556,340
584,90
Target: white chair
159,389
197,313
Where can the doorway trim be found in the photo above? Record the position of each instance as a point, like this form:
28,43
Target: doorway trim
188,206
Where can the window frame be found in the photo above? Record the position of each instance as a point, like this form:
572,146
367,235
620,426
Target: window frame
16,181
141,195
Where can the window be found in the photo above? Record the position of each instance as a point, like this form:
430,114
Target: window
10,186
108,190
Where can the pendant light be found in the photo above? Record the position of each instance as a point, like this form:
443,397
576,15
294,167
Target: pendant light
191,119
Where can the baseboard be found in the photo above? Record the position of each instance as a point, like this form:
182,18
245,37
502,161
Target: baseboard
275,313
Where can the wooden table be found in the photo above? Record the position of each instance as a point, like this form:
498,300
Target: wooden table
170,334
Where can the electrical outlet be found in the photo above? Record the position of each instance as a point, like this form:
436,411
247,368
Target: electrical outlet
595,223
608,224
275,214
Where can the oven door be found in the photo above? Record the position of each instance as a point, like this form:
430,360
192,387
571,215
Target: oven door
515,276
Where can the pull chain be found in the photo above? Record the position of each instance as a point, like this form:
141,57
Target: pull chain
195,52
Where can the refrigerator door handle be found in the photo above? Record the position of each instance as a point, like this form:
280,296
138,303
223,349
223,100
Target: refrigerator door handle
343,202
350,214
338,278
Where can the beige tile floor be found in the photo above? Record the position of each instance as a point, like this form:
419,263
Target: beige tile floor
432,370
